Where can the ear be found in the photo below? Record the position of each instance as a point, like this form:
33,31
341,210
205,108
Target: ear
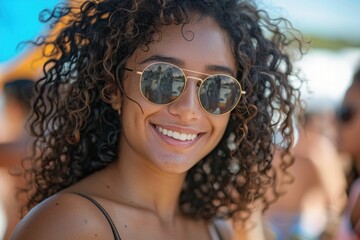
116,100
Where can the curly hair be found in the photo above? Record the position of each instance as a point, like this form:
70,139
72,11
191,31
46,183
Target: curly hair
76,131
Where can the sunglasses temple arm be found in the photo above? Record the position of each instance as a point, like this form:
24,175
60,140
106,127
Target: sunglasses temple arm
131,70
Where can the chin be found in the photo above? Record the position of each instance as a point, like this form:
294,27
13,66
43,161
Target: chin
175,166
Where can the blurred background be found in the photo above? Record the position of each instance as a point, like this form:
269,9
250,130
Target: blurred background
332,27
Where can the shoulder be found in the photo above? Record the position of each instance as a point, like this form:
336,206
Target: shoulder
63,216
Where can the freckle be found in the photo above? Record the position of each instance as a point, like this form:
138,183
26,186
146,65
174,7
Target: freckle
96,235
86,221
107,186
57,204
125,226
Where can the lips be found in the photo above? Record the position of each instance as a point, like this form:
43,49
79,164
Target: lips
177,135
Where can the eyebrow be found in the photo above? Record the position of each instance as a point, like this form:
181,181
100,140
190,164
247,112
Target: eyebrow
179,62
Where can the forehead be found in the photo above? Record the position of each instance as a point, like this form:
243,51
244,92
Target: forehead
201,40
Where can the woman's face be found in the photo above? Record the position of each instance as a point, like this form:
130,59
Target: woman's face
349,123
145,137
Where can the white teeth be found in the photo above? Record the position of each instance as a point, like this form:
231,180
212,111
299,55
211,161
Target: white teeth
177,135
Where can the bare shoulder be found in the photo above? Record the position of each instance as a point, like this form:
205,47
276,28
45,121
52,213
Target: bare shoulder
63,216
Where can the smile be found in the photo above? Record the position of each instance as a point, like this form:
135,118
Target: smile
176,135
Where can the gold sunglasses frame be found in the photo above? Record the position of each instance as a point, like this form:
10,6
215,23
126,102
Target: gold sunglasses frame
186,77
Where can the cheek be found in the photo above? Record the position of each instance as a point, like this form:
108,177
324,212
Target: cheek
131,88
348,137
220,125
134,101
354,128
133,121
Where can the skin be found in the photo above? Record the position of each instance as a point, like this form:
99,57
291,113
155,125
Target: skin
348,133
141,189
347,140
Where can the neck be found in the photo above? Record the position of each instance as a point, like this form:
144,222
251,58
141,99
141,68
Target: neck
143,187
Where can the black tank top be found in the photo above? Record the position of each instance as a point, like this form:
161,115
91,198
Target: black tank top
115,231
108,218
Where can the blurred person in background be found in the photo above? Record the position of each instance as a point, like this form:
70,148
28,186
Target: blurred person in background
311,207
288,217
348,141
355,217
16,96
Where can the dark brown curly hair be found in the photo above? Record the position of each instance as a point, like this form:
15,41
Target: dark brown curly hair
76,130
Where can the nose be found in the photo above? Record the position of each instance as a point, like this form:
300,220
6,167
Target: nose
187,106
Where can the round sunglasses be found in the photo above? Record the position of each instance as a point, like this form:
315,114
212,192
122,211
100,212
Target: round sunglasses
162,83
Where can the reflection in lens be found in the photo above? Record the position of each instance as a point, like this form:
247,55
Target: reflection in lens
162,83
219,94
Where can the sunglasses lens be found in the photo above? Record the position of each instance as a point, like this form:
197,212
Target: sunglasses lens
219,94
345,114
162,83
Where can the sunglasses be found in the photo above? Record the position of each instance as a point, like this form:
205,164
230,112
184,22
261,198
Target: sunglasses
345,114
162,83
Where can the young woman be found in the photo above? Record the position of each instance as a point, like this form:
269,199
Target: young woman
155,120
348,118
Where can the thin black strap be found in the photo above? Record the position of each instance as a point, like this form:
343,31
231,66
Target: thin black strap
108,218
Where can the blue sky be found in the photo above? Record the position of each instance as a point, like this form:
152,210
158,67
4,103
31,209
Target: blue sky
328,72
19,21
330,18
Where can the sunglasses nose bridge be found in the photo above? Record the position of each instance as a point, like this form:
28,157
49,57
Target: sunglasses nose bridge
187,105
195,78
198,81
